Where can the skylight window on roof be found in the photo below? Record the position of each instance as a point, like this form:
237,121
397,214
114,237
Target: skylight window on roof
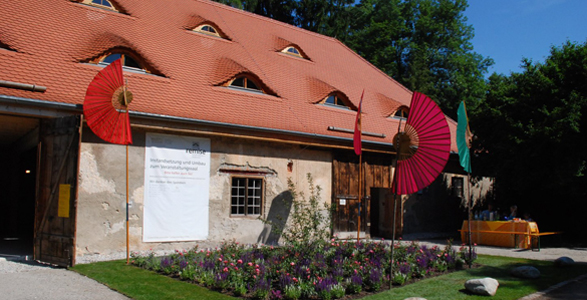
293,51
128,62
106,4
401,113
336,100
244,82
207,29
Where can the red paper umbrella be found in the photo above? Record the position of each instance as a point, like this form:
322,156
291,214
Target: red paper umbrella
423,147
106,105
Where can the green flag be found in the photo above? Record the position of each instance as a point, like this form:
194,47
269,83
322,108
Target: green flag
463,137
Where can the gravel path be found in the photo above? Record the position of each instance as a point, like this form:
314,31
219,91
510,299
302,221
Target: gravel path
29,280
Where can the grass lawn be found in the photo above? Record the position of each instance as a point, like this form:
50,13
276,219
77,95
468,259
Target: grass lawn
142,284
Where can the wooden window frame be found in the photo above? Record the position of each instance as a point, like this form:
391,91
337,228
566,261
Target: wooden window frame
298,54
339,101
403,112
245,87
200,29
247,187
123,55
112,7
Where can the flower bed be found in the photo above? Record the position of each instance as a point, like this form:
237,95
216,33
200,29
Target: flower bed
322,270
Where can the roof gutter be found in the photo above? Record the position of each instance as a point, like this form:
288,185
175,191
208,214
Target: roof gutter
251,128
78,109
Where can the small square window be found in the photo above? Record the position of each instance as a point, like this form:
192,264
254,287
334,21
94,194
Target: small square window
246,196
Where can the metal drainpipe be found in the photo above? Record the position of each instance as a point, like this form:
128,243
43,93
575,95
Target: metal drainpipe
23,86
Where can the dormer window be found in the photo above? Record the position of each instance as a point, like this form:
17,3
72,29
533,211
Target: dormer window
291,50
401,113
247,83
130,61
207,29
127,61
294,51
336,100
105,4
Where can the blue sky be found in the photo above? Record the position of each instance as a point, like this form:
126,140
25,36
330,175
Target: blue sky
510,30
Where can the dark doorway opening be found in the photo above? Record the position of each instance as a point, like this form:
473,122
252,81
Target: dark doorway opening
18,181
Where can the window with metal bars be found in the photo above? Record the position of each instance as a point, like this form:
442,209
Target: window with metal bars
246,196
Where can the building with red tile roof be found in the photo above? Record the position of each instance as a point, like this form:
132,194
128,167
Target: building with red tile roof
188,61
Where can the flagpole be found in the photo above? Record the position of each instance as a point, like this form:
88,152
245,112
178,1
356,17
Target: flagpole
358,146
469,203
394,183
127,202
360,194
127,230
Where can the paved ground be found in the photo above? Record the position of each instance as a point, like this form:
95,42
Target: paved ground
29,280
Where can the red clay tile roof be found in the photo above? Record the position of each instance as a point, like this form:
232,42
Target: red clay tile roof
53,40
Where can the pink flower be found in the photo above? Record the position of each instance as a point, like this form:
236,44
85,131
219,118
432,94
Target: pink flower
219,259
225,269
293,263
255,276
240,261
250,264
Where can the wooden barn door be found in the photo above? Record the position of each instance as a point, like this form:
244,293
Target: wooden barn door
345,189
55,209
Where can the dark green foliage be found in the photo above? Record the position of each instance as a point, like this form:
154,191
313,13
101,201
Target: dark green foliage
531,131
425,45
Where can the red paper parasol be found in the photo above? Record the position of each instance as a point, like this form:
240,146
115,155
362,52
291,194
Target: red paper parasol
423,147
106,105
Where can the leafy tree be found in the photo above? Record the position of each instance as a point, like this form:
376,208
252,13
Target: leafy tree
425,45
328,17
531,131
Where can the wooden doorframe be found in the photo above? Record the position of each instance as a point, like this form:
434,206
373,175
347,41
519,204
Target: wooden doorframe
57,187
345,173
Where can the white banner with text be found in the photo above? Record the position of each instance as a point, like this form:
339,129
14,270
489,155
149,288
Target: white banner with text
177,183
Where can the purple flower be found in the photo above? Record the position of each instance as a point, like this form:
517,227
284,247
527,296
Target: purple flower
356,279
285,280
405,268
326,284
375,276
166,262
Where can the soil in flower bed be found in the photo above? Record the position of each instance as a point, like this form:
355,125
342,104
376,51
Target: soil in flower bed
322,270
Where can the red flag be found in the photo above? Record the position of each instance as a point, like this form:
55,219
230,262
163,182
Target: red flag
357,136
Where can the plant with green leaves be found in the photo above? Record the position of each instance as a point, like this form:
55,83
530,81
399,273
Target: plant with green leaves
308,223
